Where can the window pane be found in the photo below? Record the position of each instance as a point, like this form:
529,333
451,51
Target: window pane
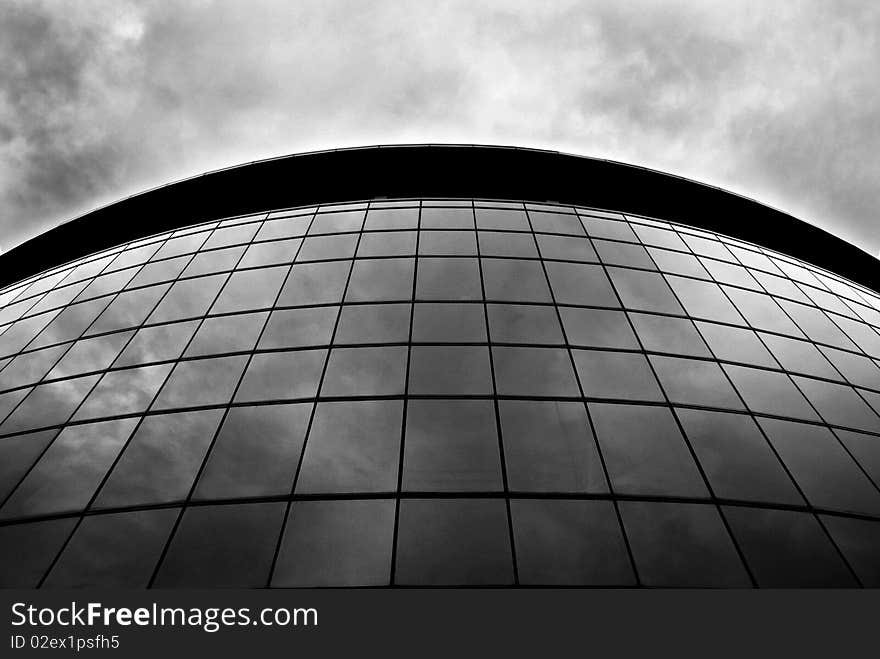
768,392
365,372
315,283
86,356
566,248
787,549
677,263
336,543
282,375
216,261
294,328
256,452
159,343
373,323
497,218
448,279
859,540
447,218
124,392
799,356
161,461
695,382
449,323
581,284
520,323
625,254
250,289
569,543
703,299
534,372
381,279
665,334
273,253
549,447
17,454
223,546
736,458
827,475
865,449
451,446
816,325
69,471
556,223
616,375
353,446
387,243
115,551
227,334
644,290
736,344
392,218
48,404
762,312
27,550
597,328
453,542
129,309
189,298
681,544
515,280
319,248
30,367
201,382
603,228
452,370
496,243
348,220
839,404
448,243
645,452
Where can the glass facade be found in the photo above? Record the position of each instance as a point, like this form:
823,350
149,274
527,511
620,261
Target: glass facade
422,392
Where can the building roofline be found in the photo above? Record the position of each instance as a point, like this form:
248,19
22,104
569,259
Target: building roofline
436,170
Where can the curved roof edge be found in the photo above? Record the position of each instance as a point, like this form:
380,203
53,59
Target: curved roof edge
437,170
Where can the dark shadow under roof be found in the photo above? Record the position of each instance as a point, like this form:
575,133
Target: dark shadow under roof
441,171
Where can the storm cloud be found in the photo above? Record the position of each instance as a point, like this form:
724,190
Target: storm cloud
777,101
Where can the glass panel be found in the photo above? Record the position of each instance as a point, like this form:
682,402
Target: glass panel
453,542
227,334
381,279
30,367
161,460
520,323
129,309
677,263
294,328
87,355
728,273
233,235
319,248
447,218
27,550
353,446
616,375
448,243
659,237
189,298
768,392
581,284
644,290
515,280
534,372
449,323
602,228
256,452
348,220
736,458
365,371
664,334
451,446
549,447
645,452
159,271
223,546
858,370
373,323
681,544
397,218
736,344
865,449
273,253
786,549
17,454
762,312
250,289
566,248
337,543
201,382
695,382
597,328
495,243
115,551
859,540
496,218
282,375
569,543
387,243
448,279
217,261
556,223
839,404
69,471
799,356
452,370
155,344
827,475
625,254
817,325
703,299
123,392
48,404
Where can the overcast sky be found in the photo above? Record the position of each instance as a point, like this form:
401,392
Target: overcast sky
776,100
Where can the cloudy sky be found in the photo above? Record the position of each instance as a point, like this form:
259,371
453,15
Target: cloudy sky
776,100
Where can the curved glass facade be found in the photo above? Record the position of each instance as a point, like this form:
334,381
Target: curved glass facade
439,392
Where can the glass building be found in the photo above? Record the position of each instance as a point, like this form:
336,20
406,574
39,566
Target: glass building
434,366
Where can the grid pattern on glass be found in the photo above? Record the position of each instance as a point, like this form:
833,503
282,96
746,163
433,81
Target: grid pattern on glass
499,378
